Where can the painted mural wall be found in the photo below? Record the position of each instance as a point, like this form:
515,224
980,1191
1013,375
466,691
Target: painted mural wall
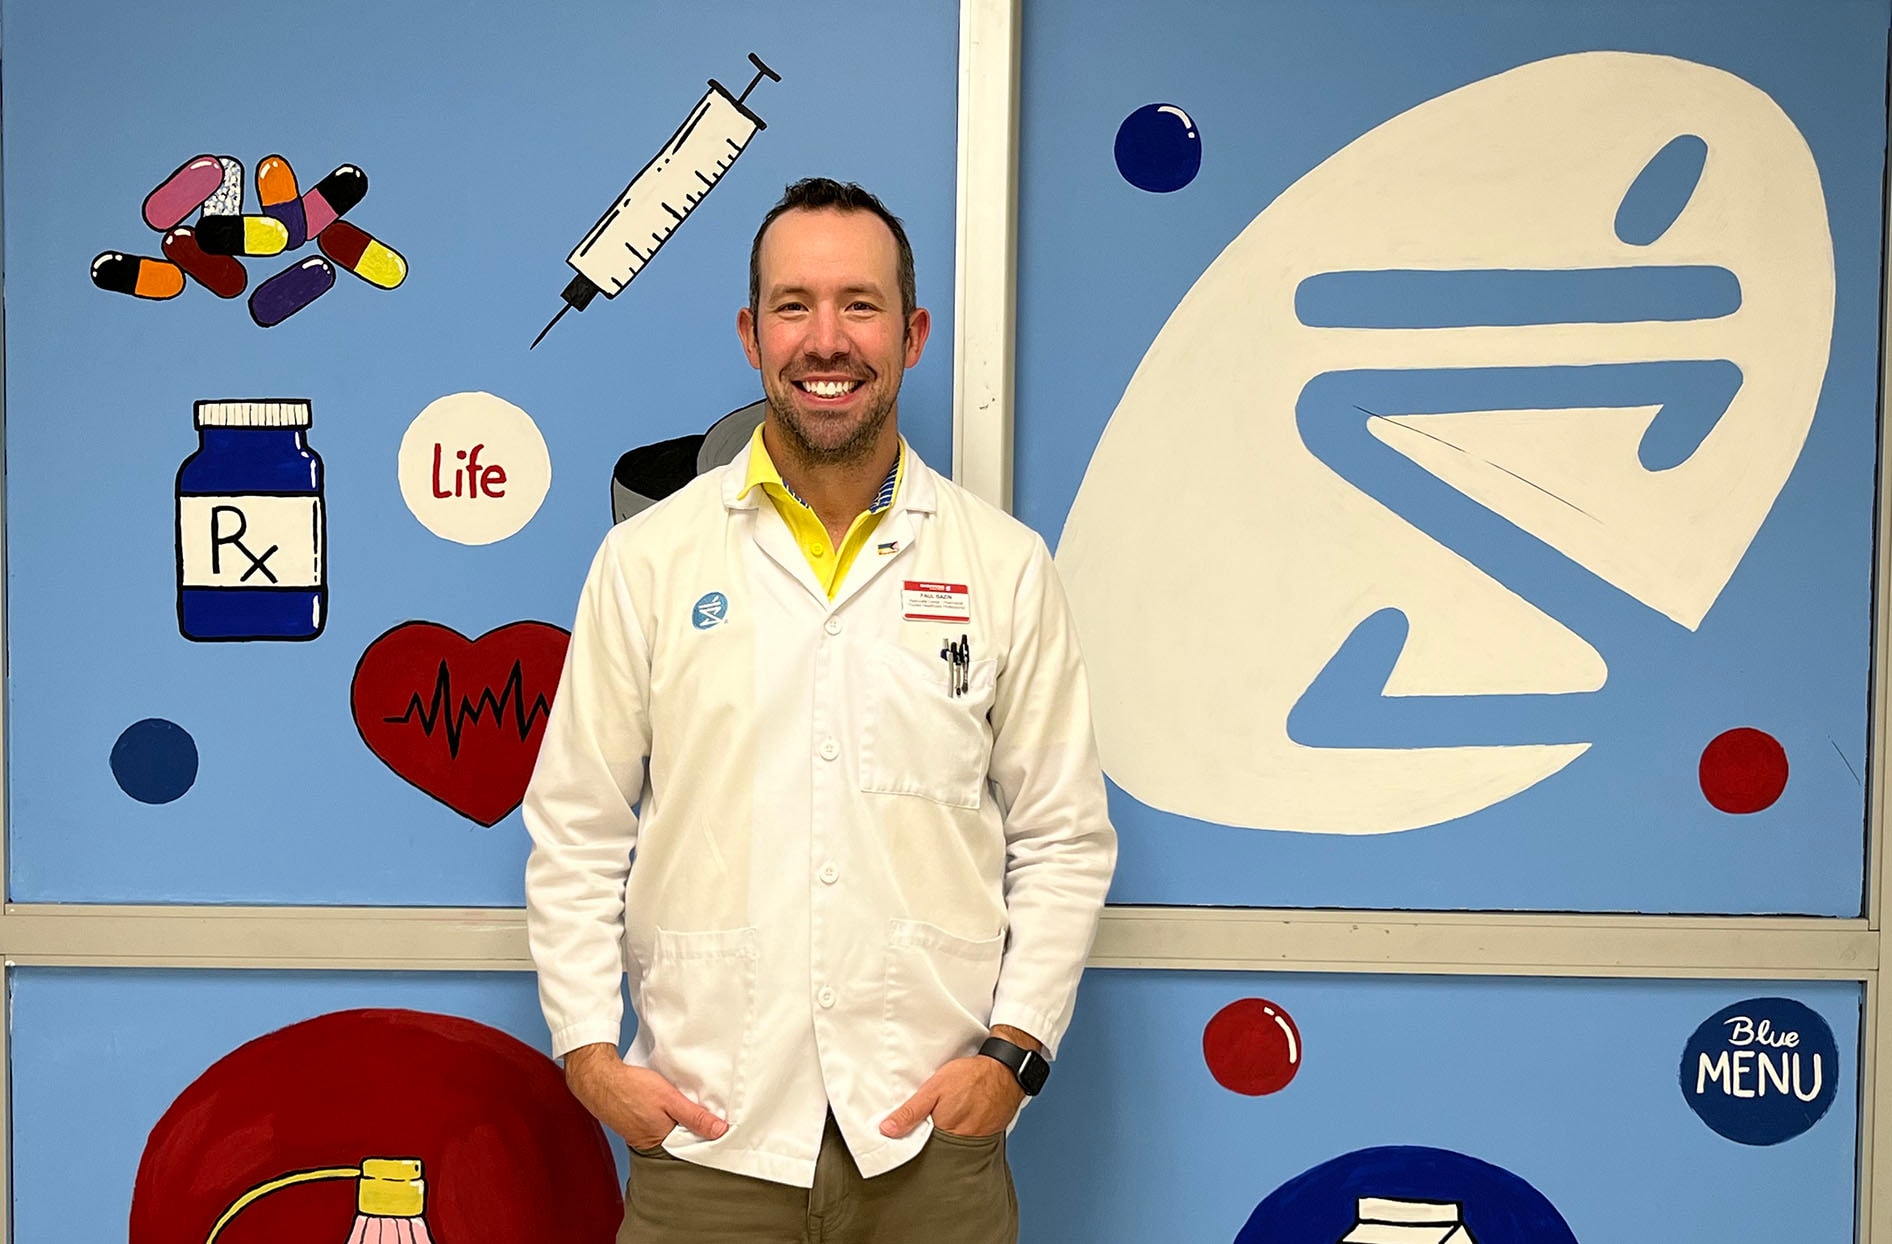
1307,1109
300,494
171,1107
1213,1107
1455,423
1466,496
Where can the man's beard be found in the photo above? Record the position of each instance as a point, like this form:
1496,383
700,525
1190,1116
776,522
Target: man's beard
858,445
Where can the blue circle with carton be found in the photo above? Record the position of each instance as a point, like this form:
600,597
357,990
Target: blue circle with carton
1158,148
1434,1194
154,760
1761,1071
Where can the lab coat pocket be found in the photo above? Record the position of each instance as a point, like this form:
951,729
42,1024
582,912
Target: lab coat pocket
917,738
698,1001
938,1000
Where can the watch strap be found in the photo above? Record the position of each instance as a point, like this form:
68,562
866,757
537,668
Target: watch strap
1030,1068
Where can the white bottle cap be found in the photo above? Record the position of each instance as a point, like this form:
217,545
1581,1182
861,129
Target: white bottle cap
269,412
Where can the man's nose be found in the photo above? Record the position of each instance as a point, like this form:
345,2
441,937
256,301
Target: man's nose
827,335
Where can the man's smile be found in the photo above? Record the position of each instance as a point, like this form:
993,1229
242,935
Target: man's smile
828,388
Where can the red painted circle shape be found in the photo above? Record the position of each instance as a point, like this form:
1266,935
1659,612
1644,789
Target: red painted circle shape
1743,770
1252,1047
506,1153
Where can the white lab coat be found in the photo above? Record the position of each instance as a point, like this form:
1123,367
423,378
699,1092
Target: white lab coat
844,874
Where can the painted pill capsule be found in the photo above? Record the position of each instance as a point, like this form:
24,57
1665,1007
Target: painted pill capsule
183,192
363,254
242,235
329,199
279,196
137,275
228,199
222,275
290,290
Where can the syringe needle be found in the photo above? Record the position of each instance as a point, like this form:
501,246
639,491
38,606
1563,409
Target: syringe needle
577,294
548,328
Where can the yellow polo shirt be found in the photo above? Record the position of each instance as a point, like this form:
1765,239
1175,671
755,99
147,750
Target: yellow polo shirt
829,563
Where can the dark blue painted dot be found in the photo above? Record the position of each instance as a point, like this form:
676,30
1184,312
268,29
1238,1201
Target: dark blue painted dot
1158,148
1660,192
154,760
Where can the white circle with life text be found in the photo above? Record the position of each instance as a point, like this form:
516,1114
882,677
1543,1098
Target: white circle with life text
474,468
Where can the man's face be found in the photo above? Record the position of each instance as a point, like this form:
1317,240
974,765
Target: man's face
827,333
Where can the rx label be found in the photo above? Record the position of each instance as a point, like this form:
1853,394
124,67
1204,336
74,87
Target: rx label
250,541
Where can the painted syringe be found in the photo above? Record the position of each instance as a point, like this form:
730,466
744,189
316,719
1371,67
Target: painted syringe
663,193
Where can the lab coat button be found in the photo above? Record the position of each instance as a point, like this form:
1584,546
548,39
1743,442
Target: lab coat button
830,749
834,626
829,874
825,997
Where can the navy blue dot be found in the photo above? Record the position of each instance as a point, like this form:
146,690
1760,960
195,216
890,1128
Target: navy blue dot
154,760
1158,148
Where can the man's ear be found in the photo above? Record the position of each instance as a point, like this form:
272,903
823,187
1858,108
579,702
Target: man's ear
745,329
919,325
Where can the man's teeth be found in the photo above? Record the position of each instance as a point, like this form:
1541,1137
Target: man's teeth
829,388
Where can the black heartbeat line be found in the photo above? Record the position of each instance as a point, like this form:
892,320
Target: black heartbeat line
512,693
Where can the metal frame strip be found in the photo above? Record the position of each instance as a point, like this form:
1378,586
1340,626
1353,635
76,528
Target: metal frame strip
987,227
1221,938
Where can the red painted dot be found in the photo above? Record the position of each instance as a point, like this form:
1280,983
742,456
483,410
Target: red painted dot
1743,770
1252,1047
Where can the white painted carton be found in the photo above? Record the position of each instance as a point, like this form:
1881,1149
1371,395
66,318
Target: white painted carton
1384,1220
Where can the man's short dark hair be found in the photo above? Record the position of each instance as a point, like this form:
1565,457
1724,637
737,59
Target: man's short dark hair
814,194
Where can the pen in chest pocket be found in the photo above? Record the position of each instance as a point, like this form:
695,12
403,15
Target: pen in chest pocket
958,658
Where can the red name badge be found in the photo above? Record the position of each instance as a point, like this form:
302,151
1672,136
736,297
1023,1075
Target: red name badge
935,602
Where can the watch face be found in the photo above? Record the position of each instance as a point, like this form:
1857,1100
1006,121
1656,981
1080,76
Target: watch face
1032,1076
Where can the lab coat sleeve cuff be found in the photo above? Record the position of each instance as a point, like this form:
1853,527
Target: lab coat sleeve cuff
1049,1031
584,1032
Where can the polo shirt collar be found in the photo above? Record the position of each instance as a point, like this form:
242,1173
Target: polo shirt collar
908,486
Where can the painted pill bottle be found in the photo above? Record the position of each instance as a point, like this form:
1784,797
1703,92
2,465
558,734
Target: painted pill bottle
251,525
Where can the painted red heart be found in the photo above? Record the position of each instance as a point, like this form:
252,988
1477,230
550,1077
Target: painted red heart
460,718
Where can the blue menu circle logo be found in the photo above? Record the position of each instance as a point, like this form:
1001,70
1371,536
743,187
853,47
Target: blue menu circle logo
1761,1071
711,610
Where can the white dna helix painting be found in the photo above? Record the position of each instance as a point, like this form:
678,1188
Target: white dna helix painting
1474,246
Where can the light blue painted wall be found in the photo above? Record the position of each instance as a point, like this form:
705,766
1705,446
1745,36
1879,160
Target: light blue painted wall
492,140
1276,88
1571,1085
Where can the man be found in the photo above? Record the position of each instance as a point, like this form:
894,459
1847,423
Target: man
871,840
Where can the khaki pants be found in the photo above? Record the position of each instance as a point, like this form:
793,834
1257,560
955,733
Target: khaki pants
958,1190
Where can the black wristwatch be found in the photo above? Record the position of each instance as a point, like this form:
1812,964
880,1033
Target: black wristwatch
1030,1067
